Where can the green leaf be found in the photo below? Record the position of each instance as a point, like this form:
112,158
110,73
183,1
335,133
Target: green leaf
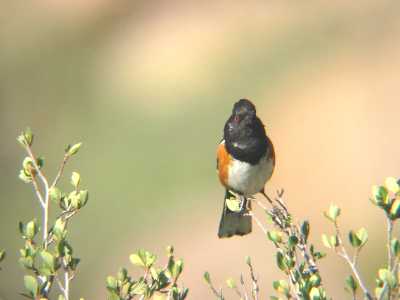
280,260
325,241
83,198
2,254
231,283
31,229
48,260
59,229
351,284
75,179
26,262
111,283
72,150
45,271
292,241
362,235
27,178
388,277
122,274
275,236
315,280
61,297
177,268
55,194
315,294
233,204
305,230
395,247
392,185
170,250
247,259
333,212
139,288
394,212
206,277
281,286
354,240
142,258
26,137
40,162
359,238
31,285
380,195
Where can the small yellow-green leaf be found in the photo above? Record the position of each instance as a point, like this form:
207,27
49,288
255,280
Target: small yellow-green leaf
395,247
55,194
380,195
333,212
275,236
111,283
233,204
395,209
354,240
388,277
315,280
350,284
2,254
362,235
48,260
75,179
72,150
206,277
315,293
281,286
325,241
392,185
31,285
231,283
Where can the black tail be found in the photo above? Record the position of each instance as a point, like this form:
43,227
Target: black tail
234,223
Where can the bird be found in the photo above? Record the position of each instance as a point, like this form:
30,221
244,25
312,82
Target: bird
245,162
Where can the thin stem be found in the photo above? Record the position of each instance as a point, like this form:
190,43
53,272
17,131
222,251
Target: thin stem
45,201
66,285
60,285
389,239
386,286
255,288
258,222
352,265
60,170
37,191
246,297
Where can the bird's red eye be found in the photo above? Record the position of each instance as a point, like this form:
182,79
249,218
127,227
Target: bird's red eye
236,118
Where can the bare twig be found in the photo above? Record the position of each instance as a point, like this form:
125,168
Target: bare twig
60,170
45,201
343,253
255,289
258,222
66,285
389,239
246,297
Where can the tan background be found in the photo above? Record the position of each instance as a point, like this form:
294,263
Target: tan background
147,86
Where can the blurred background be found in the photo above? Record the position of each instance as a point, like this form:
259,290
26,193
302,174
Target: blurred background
147,87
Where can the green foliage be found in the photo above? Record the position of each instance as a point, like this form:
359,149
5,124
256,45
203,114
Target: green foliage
295,257
156,282
49,258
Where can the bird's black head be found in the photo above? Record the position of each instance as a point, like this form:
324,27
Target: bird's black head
243,107
242,120
244,132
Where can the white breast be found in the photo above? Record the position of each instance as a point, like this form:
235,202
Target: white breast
249,179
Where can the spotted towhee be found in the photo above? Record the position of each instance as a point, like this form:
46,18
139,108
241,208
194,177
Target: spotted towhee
245,162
